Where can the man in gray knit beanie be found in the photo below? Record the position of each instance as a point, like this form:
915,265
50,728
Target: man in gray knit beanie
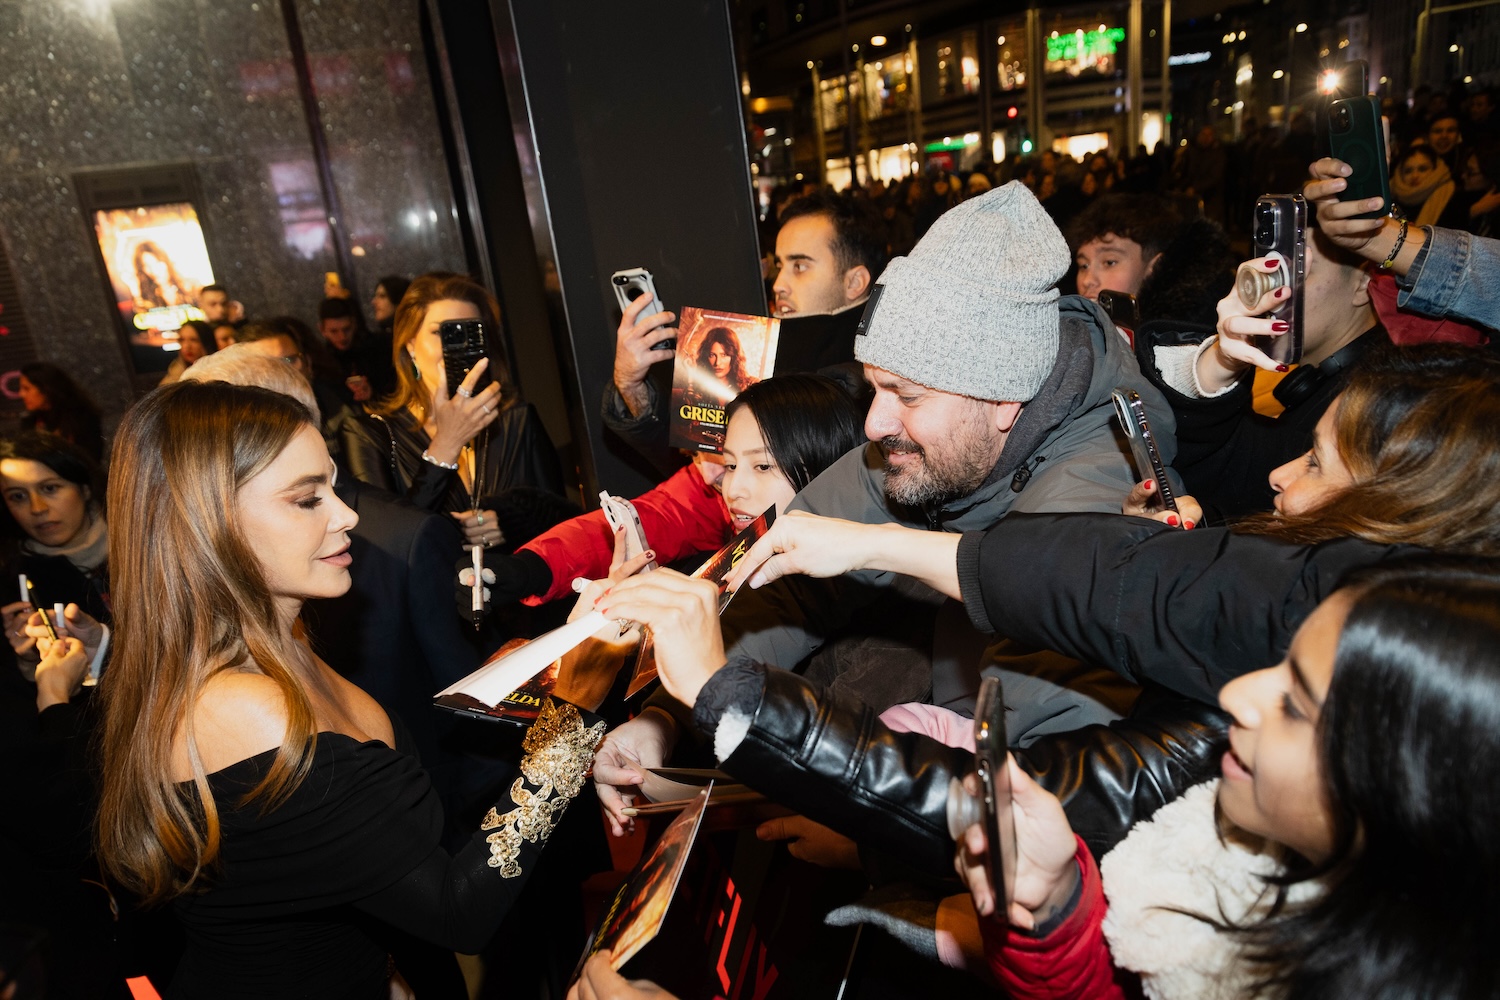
956,338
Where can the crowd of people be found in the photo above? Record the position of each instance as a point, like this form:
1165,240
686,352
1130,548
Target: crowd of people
1246,732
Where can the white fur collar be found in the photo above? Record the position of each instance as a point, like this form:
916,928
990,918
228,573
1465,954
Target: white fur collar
1176,859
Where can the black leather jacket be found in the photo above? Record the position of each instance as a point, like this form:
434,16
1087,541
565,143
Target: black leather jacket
833,760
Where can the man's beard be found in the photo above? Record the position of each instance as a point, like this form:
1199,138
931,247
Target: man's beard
935,479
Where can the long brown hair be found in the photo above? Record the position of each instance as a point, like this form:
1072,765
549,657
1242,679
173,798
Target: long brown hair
411,313
1419,429
189,600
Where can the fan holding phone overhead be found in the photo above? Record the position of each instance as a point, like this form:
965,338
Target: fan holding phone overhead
455,436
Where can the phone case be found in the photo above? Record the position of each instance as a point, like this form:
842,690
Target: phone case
621,513
1357,136
1131,412
1280,224
990,751
463,345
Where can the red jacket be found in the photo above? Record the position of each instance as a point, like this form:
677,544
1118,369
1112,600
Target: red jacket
1070,963
682,516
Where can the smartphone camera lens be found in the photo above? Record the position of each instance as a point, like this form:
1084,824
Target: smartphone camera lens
1341,118
620,280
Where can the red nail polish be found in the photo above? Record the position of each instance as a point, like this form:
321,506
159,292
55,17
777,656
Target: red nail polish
1188,525
1172,520
1280,327
1149,484
1281,293
1283,368
1272,265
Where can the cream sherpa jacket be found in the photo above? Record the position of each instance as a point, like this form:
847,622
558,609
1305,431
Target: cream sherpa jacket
1176,861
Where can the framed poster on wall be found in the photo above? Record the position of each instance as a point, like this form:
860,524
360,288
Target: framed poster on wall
153,256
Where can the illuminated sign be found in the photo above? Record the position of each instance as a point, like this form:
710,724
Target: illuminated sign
1188,58
1090,46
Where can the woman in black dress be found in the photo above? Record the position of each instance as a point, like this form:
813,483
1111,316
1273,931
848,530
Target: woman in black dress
275,804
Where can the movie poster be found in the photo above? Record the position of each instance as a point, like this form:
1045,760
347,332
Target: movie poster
158,264
719,355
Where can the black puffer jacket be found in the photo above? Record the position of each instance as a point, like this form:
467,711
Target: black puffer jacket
831,758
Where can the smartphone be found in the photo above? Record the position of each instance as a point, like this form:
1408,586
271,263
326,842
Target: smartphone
463,345
630,285
1280,225
990,752
1356,135
1148,464
1123,311
621,513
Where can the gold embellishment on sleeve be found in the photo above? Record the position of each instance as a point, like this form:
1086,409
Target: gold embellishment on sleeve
559,750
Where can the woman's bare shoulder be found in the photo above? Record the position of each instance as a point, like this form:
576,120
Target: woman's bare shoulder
238,715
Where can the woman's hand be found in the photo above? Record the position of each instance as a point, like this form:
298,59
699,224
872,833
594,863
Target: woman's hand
14,616
76,623
683,616
621,762
1045,870
1232,353
1138,504
600,981
620,569
455,420
808,544
60,673
480,527
812,842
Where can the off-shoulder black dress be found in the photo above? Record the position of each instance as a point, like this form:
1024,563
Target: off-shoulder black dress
307,894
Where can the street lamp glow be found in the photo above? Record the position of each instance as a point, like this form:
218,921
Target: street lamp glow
1453,48
877,40
1301,27
1277,75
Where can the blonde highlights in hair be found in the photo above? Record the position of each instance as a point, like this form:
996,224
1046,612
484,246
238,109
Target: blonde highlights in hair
189,600
407,324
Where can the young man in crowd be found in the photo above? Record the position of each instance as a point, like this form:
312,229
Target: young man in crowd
364,360
829,249
214,301
991,396
1138,244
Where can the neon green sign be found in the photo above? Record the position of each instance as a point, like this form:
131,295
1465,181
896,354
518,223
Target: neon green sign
1065,48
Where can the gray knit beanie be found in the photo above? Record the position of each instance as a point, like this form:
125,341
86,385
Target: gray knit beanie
973,310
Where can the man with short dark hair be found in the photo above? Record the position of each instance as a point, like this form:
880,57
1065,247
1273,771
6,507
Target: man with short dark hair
363,360
214,301
1445,136
830,247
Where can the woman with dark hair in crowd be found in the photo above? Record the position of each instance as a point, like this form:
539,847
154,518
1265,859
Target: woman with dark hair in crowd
1423,186
780,434
196,339
273,803
54,507
389,292
480,454
55,403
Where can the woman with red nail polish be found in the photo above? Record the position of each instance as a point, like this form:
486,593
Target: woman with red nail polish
1231,430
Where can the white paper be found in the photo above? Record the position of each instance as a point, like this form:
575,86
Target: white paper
498,678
